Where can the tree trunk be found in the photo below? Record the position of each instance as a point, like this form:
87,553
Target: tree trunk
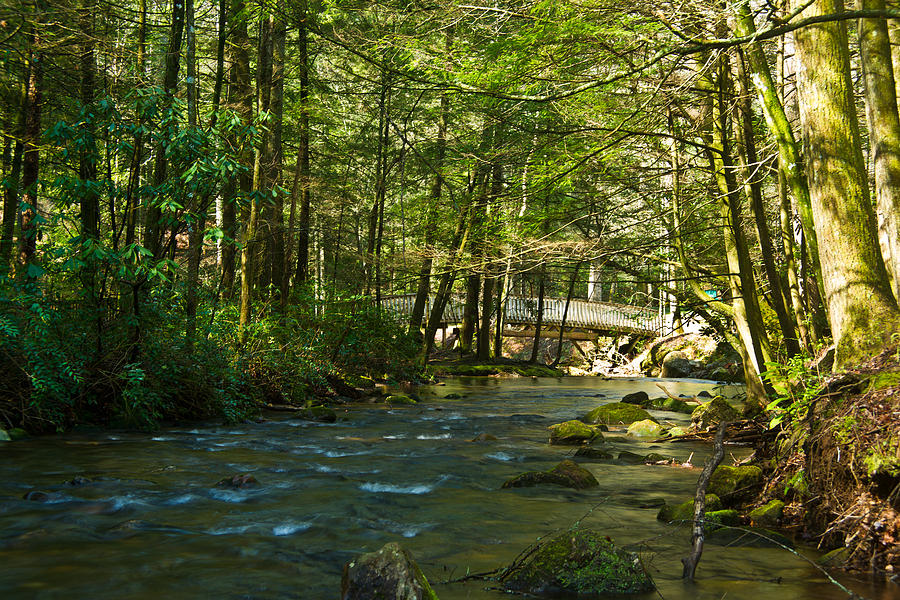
275,178
788,149
196,215
153,233
753,188
87,168
240,100
884,134
861,308
31,158
562,327
536,345
11,181
303,167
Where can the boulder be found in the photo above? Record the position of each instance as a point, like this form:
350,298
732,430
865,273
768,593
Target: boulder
704,394
573,433
616,412
591,453
734,483
17,433
240,481
387,574
4,436
676,365
639,398
685,510
646,429
768,515
672,405
835,558
710,414
631,457
578,562
567,474
677,431
453,396
320,414
656,457
399,399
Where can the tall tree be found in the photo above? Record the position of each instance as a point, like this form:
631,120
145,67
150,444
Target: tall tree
861,308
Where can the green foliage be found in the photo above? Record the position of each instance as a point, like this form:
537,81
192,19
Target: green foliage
797,386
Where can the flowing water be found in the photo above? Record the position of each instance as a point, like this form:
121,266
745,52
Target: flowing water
151,524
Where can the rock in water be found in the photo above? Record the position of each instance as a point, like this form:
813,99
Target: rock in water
734,483
710,414
578,562
574,433
240,481
639,398
616,412
320,414
646,428
4,437
567,474
676,365
387,574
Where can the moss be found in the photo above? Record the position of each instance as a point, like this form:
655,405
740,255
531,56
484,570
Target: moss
16,434
646,428
728,517
767,515
399,399
573,433
835,558
884,380
578,562
710,414
881,458
672,405
591,453
617,412
322,414
734,482
4,437
685,511
677,431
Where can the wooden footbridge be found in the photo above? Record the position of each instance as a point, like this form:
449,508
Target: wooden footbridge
584,320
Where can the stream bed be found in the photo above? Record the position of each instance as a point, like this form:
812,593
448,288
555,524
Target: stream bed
151,524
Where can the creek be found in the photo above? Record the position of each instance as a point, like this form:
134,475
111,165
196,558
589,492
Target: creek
151,524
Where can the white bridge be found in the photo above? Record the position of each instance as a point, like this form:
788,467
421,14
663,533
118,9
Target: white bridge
591,317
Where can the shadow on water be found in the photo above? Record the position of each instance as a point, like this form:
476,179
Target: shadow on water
151,524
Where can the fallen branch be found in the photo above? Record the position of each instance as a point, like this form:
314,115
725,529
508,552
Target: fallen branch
690,561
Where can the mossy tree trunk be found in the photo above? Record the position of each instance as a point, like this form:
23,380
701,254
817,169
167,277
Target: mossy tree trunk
884,133
862,310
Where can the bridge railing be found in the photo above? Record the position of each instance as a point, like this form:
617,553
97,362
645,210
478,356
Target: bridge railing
520,310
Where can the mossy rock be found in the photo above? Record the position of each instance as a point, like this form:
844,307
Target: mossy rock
729,517
732,483
4,436
677,431
710,414
578,562
684,512
656,457
573,433
453,397
646,429
591,453
617,412
835,558
767,515
399,399
17,433
672,405
631,457
390,573
320,414
567,474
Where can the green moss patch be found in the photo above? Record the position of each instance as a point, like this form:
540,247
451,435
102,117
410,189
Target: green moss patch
617,412
574,433
685,511
731,483
578,562
647,428
567,474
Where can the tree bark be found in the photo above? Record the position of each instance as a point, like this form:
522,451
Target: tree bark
884,134
302,177
861,308
11,181
31,157
536,344
275,178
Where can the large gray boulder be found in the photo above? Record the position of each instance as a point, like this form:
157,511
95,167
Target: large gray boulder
676,365
387,574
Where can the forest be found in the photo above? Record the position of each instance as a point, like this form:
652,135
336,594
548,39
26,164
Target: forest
209,207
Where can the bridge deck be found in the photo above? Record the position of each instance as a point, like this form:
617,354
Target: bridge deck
594,316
